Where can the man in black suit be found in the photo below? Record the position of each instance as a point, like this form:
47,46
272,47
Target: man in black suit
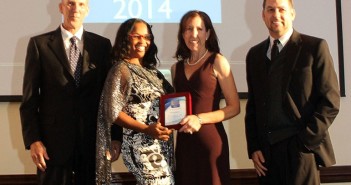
59,110
293,98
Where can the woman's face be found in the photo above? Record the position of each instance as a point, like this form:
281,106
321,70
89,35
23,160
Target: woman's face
139,39
195,34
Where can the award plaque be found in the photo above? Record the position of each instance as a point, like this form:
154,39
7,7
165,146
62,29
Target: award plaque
173,108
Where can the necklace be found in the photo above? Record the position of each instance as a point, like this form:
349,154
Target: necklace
187,61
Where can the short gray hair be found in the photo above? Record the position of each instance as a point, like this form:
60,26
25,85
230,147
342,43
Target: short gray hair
290,1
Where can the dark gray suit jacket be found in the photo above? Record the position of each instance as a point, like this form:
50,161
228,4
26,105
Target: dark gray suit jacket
54,110
310,94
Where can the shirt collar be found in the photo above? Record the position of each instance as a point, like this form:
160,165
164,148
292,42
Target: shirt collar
66,35
283,39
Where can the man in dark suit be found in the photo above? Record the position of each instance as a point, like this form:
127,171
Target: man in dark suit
293,98
59,109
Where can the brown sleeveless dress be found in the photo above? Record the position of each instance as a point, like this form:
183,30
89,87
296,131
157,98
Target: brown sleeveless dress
203,157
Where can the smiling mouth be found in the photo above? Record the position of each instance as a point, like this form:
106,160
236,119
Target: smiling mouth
141,48
276,22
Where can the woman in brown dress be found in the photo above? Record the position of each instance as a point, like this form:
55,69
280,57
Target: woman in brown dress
202,151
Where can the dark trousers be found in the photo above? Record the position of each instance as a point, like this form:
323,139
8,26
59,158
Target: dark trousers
55,175
289,162
78,171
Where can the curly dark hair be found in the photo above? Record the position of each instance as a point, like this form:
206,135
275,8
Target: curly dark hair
183,52
121,47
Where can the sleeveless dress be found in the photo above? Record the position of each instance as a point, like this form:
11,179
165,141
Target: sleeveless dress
203,157
135,90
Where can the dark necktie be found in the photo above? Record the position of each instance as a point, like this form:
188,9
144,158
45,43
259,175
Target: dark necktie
275,50
74,54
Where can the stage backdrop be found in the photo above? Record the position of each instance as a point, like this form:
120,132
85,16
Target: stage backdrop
238,24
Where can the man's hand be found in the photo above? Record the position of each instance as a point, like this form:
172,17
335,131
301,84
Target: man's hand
258,160
115,150
39,155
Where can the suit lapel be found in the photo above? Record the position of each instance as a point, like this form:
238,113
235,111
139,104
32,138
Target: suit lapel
87,47
292,55
57,47
262,60
88,54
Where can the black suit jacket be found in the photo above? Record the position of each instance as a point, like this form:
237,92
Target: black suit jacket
310,94
53,109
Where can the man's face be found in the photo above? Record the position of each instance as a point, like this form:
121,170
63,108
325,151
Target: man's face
74,12
278,16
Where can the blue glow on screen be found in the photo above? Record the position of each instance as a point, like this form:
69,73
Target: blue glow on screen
152,11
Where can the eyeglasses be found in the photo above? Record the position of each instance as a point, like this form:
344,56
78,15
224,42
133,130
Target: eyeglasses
139,37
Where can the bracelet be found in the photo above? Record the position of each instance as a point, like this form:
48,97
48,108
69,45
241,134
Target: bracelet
198,117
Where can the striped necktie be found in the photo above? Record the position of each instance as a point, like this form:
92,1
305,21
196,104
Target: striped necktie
76,65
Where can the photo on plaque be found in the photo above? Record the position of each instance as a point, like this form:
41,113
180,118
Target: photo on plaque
173,108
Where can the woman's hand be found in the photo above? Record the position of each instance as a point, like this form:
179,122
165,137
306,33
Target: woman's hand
191,124
157,131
